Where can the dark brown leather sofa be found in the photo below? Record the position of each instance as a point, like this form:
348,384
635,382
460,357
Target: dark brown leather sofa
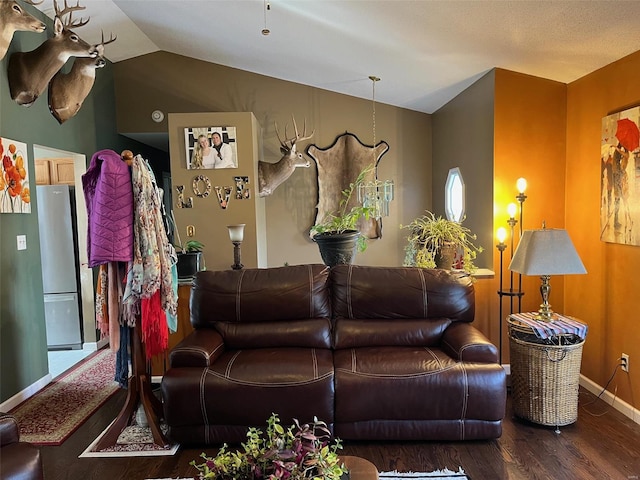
378,353
18,460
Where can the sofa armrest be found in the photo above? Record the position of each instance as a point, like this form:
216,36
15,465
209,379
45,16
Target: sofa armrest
199,349
9,431
466,343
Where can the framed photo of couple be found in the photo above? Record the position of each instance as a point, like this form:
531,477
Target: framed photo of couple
210,147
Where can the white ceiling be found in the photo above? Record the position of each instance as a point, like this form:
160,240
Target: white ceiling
424,51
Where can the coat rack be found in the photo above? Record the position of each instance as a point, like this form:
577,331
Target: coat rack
139,391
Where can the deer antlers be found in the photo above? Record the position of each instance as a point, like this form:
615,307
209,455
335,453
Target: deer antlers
69,10
290,143
111,38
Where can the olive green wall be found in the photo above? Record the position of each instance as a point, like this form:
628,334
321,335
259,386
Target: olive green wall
176,84
23,347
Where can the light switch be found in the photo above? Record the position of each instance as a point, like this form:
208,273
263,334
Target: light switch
22,242
191,230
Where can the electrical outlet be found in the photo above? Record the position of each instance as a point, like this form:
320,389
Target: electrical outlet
624,360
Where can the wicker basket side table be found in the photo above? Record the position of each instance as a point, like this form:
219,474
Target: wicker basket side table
545,374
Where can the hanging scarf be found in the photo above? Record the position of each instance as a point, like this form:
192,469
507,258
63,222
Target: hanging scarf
102,311
149,275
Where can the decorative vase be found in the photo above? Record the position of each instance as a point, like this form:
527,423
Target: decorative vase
445,256
337,248
188,264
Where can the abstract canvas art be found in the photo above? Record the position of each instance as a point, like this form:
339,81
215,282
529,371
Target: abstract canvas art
620,177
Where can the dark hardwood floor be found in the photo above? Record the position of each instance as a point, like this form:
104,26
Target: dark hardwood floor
602,444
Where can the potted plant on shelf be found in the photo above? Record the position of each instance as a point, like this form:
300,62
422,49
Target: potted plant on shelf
295,453
435,242
337,235
189,259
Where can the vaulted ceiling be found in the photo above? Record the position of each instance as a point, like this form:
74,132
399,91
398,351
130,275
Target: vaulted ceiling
425,51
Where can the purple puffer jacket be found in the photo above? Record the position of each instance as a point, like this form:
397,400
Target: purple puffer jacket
109,197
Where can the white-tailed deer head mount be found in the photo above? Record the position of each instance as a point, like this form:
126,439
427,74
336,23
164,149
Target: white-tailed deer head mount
67,91
30,72
270,175
14,18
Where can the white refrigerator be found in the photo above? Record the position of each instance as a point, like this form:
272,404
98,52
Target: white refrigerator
56,222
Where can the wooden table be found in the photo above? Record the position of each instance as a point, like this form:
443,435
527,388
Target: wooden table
359,468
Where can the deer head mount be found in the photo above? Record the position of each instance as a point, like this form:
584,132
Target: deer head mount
30,72
14,18
271,175
67,91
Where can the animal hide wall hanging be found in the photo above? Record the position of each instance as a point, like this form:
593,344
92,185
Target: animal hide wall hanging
339,165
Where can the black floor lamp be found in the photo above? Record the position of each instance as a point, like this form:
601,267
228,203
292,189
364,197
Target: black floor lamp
511,292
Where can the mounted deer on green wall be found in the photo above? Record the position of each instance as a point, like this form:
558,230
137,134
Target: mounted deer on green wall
271,175
30,72
14,18
67,91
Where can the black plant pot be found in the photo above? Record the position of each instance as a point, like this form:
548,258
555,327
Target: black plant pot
189,264
337,248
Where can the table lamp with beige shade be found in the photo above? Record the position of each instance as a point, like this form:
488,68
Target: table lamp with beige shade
546,252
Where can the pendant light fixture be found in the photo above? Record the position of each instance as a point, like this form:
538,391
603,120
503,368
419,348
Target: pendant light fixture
267,6
376,194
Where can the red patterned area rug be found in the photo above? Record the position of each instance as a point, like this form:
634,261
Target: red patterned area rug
56,411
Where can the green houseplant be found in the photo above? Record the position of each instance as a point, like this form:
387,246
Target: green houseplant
189,259
294,453
430,236
337,234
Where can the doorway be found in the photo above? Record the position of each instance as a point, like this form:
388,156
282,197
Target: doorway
61,360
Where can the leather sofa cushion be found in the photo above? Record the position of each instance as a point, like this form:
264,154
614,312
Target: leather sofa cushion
262,308
400,292
310,333
397,306
351,333
242,386
415,384
259,294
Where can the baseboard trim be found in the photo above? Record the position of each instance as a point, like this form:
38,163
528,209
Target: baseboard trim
95,346
28,392
608,397
35,387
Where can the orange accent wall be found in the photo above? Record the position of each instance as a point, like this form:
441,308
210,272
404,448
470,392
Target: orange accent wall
529,142
608,297
549,133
